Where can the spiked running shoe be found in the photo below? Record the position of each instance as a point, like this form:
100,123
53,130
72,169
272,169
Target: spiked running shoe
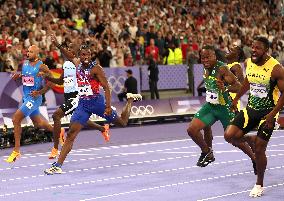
205,159
136,97
105,133
13,157
61,137
257,191
54,169
53,154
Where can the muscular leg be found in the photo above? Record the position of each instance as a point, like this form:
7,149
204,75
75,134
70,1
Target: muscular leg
208,137
57,116
95,126
194,132
124,117
74,129
261,160
17,119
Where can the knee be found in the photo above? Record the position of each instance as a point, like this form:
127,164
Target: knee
56,116
191,131
228,136
16,120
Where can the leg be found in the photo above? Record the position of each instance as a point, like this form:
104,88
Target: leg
261,160
75,128
57,116
124,117
151,86
40,122
95,126
156,89
17,119
208,137
121,96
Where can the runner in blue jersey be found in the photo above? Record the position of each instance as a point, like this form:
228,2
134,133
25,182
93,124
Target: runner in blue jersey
32,98
90,76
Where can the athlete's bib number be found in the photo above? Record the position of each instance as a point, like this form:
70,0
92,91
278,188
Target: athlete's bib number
69,81
28,81
258,90
212,97
29,105
85,90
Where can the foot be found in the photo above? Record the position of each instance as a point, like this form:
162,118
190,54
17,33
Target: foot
254,167
54,169
257,191
105,133
13,157
205,159
53,154
61,137
136,97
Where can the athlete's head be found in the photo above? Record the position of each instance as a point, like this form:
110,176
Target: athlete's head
32,53
260,47
85,55
208,56
235,54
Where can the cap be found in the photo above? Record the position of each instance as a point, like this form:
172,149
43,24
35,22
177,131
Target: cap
129,71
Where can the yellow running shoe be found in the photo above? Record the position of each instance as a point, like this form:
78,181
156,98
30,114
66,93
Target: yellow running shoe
13,157
61,137
105,133
53,154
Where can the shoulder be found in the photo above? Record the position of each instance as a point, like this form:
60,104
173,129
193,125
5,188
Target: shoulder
278,72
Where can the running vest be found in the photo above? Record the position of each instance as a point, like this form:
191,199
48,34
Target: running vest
30,79
87,85
213,94
264,92
70,82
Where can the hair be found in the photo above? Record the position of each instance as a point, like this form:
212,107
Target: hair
263,40
84,47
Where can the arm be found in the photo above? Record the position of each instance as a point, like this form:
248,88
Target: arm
238,72
98,73
48,75
228,77
63,50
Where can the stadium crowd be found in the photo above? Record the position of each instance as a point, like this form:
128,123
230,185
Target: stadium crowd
120,31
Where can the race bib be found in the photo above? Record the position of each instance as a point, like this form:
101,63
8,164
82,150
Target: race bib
69,81
29,105
258,90
212,97
85,90
28,81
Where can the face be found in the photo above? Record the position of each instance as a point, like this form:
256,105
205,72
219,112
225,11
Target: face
258,51
85,56
32,53
208,58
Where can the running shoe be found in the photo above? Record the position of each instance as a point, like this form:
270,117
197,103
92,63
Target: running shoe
257,191
205,159
105,133
54,169
61,137
13,157
53,154
136,97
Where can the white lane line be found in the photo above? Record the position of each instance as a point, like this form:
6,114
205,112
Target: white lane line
132,145
134,163
239,192
176,184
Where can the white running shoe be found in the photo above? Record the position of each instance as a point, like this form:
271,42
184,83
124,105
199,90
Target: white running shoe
257,191
136,97
53,170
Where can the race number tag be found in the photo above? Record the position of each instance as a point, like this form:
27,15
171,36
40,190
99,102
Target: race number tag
258,90
212,97
69,81
85,90
28,81
29,105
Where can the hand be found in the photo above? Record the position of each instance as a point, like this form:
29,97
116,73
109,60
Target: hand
220,84
108,111
269,120
35,94
42,74
16,76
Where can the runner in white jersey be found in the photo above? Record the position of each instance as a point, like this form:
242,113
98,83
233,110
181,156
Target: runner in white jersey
68,78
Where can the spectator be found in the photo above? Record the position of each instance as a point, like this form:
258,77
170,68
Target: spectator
152,51
130,85
104,56
153,78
